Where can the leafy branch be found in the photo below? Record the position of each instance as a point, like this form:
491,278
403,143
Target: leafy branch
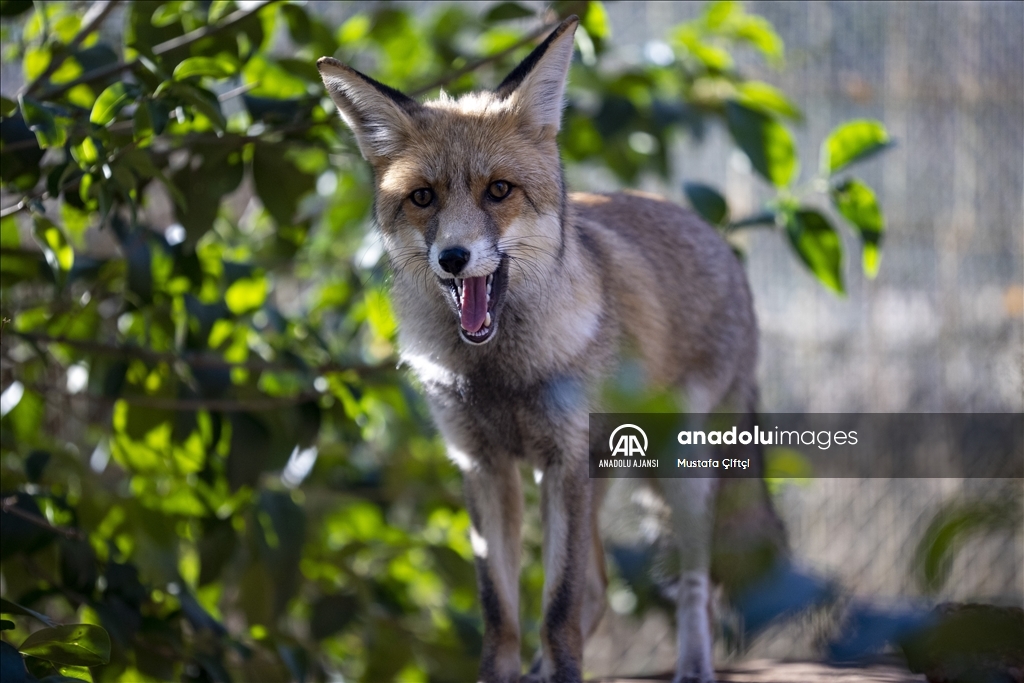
455,75
185,40
10,505
198,359
93,19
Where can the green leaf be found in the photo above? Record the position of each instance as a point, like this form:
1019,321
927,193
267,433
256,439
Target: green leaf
220,8
59,253
952,527
507,11
767,143
246,294
299,25
110,101
6,625
71,645
707,202
852,142
717,13
69,674
279,184
222,170
203,101
41,122
142,124
596,21
763,218
166,14
759,32
331,614
713,57
818,245
857,203
7,107
785,466
86,153
220,66
270,80
767,99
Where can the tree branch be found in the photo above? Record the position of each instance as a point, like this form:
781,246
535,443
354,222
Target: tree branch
14,208
9,505
223,405
197,360
473,66
93,19
230,20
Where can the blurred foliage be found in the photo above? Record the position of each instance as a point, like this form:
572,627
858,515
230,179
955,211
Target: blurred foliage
957,523
211,468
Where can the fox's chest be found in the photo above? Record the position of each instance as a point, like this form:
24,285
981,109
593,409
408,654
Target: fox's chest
507,418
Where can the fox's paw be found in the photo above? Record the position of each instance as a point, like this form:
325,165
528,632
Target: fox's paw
555,678
694,674
694,678
561,676
694,670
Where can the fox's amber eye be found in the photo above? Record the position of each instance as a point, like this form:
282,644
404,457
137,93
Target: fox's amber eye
422,197
499,189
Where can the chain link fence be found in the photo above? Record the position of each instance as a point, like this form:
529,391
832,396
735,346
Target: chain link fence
941,329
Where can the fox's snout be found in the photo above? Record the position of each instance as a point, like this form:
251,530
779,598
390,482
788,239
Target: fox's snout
453,259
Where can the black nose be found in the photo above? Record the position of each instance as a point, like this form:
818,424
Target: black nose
453,260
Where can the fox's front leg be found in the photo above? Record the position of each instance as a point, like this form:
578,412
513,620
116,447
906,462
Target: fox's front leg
565,511
494,499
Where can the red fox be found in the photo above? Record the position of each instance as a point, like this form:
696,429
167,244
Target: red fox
515,300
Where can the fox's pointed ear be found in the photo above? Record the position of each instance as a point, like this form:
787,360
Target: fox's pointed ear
538,83
380,117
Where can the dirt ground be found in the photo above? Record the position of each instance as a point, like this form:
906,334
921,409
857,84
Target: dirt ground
769,671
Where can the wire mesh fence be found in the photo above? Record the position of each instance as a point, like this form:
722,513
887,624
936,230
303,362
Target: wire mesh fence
942,327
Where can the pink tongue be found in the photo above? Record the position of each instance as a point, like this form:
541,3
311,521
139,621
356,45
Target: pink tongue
474,303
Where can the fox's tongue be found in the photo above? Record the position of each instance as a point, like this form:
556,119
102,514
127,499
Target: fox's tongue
474,303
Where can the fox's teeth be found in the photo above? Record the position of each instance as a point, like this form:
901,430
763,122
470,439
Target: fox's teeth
488,289
487,320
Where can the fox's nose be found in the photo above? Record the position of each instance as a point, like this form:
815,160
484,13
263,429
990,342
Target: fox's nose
453,260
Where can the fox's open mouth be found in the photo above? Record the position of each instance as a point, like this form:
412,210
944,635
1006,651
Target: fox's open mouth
476,301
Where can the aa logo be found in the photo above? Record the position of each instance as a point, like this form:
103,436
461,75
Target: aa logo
628,442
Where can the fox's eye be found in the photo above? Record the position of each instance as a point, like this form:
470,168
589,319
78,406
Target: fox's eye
422,197
499,189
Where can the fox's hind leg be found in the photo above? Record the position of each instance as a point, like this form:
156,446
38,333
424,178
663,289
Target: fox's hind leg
691,501
692,522
594,600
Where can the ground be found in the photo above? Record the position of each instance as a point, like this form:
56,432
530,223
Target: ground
770,671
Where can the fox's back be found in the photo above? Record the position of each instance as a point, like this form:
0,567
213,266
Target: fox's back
676,287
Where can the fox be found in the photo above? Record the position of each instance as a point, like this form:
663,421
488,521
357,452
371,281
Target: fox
515,300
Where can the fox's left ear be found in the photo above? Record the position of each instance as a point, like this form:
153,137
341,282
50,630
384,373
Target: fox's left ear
538,83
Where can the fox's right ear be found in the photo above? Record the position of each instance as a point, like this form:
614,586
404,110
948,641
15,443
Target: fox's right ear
380,117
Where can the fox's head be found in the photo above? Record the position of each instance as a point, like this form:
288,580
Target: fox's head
469,192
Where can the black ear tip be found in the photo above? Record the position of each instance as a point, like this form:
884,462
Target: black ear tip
328,62
568,24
